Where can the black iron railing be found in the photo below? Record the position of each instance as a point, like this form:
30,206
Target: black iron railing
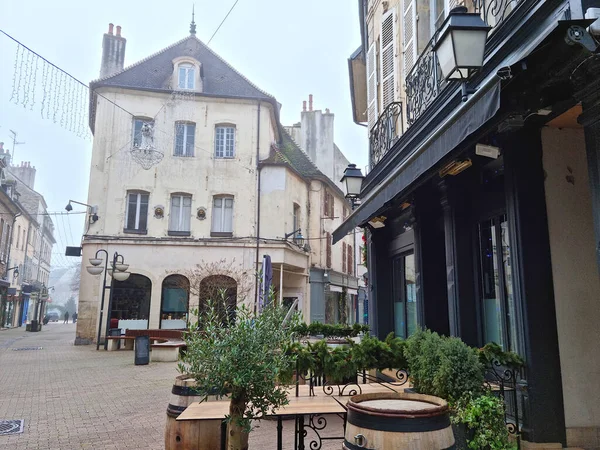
424,82
387,130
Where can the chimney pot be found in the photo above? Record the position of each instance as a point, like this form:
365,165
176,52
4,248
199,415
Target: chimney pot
110,28
310,102
304,105
119,30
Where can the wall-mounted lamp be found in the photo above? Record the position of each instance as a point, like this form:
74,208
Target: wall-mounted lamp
93,210
352,180
15,273
298,238
455,167
460,46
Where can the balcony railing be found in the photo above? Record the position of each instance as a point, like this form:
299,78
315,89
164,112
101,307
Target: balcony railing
385,132
425,82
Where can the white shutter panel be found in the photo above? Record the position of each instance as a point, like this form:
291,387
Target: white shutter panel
371,87
388,58
409,55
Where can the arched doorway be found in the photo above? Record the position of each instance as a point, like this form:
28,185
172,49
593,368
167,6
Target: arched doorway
174,302
221,290
131,302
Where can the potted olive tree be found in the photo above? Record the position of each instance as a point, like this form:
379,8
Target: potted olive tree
240,355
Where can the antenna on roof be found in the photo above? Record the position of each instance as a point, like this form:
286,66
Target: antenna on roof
193,24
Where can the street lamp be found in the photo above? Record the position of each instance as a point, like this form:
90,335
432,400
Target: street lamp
298,238
460,45
118,272
352,180
93,216
15,273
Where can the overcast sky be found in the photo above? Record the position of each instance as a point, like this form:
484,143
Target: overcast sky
287,48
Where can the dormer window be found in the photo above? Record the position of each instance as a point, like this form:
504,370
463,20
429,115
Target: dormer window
187,76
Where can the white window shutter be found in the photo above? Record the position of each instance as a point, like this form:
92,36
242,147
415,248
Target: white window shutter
372,86
409,55
388,58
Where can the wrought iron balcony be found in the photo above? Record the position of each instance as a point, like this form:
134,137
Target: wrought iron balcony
385,132
425,82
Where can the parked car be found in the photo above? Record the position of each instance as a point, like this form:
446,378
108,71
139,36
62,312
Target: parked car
53,316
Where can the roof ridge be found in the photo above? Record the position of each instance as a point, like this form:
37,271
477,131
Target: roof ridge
155,54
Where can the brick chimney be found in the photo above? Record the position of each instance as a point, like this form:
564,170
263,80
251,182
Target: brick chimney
113,52
26,173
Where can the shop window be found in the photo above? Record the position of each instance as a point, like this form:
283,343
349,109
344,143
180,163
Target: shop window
405,295
499,321
174,302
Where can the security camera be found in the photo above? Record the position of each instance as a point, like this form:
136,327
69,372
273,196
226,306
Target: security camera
69,208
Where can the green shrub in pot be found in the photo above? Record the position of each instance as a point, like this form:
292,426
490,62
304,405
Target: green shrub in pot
483,418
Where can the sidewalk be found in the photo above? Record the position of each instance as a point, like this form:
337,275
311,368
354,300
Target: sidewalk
79,398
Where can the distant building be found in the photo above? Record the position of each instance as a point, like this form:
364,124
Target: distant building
200,171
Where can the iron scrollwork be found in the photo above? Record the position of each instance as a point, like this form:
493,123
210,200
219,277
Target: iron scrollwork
493,12
386,131
503,381
423,84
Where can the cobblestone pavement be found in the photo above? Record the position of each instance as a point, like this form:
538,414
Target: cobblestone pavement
77,398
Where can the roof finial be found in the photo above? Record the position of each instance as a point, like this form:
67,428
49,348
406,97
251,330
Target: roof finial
193,24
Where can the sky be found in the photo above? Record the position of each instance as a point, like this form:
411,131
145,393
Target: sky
289,49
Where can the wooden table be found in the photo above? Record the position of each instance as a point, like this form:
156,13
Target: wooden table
300,407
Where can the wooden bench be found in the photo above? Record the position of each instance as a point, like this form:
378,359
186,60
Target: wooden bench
167,350
154,335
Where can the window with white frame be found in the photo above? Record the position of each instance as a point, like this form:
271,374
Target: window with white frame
137,211
224,141
187,76
222,215
138,124
184,138
181,212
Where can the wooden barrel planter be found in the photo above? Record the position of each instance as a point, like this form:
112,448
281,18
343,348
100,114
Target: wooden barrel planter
382,421
189,434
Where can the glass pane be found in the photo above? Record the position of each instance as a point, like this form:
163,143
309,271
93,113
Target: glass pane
411,294
137,132
143,212
186,213
228,215
131,211
190,78
399,304
230,142
217,213
190,138
174,301
182,71
179,130
219,142
175,212
510,298
492,312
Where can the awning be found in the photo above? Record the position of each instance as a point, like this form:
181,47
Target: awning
471,115
466,119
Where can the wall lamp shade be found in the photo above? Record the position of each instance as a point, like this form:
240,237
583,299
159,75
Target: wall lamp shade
461,44
120,276
121,267
95,261
352,180
94,270
69,207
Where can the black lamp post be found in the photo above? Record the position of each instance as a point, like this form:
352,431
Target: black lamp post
460,45
352,180
118,272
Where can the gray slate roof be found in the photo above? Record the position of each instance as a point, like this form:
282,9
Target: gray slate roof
155,72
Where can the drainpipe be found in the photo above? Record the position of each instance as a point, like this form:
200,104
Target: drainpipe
9,243
257,207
